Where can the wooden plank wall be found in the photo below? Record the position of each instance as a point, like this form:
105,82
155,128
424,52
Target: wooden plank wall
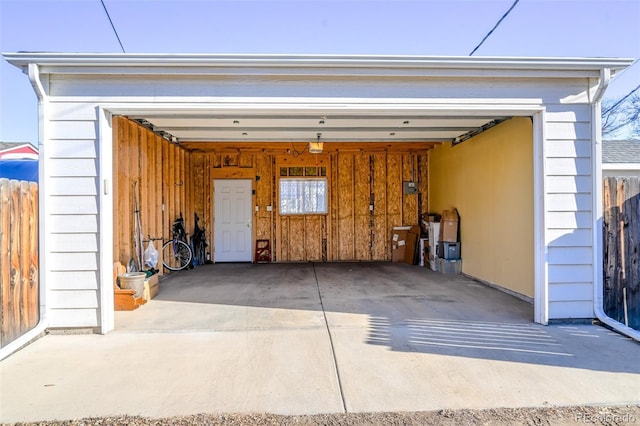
621,234
182,181
19,288
205,167
161,173
365,179
357,179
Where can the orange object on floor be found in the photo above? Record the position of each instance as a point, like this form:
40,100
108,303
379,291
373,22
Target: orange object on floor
124,299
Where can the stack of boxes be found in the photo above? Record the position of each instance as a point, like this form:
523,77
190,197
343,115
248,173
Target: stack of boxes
444,247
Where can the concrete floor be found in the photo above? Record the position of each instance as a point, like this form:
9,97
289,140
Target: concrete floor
319,338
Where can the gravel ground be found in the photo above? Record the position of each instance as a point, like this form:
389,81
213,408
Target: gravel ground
624,415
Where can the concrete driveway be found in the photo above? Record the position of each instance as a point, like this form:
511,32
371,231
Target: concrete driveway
319,338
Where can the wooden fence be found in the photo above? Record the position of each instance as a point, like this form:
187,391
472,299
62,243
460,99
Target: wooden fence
622,249
18,259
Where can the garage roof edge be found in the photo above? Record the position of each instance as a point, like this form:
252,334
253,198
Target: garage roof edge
81,60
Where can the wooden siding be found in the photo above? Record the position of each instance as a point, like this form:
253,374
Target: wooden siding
160,174
569,216
350,230
621,232
19,275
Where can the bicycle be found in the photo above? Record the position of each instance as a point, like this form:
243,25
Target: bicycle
176,253
199,243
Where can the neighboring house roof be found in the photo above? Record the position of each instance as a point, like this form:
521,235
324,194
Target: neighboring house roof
13,150
621,151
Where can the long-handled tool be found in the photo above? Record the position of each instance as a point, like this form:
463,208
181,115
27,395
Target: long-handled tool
137,231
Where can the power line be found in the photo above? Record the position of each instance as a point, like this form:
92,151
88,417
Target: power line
624,98
112,26
494,27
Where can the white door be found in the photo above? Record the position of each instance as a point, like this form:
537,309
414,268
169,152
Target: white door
233,220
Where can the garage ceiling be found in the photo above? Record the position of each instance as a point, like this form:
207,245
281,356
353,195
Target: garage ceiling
206,131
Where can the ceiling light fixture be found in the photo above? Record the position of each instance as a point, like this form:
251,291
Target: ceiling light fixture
316,147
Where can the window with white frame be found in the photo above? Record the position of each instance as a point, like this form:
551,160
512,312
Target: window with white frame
303,195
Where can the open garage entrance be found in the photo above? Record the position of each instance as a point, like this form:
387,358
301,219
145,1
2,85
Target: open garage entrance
481,165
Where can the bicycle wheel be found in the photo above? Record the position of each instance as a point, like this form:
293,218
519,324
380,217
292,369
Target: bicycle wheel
199,252
176,255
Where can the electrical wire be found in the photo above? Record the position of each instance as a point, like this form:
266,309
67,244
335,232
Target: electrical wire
624,98
494,27
112,26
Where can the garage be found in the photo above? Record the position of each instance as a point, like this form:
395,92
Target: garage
363,196
331,153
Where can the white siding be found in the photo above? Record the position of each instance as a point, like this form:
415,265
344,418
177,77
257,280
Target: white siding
569,238
566,309
70,317
71,130
575,256
570,292
568,185
72,186
74,243
73,149
126,88
569,217
564,202
613,172
75,299
74,167
569,148
73,280
73,261
72,204
74,223
71,162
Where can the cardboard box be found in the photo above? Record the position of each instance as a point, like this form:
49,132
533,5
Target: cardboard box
449,251
449,226
399,243
151,287
411,247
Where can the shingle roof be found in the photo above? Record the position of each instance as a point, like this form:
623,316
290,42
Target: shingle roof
625,151
9,145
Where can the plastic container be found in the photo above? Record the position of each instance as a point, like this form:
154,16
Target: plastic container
447,266
133,281
449,251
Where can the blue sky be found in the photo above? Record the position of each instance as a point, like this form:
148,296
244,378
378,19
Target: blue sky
593,28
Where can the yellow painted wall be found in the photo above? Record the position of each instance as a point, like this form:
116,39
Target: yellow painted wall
489,179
